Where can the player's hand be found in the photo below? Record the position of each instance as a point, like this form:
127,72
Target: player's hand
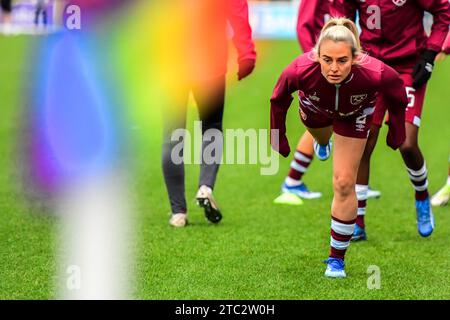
423,69
245,68
281,145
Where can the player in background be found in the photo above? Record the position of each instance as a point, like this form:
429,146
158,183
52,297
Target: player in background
6,20
393,32
442,197
337,87
312,16
204,55
41,10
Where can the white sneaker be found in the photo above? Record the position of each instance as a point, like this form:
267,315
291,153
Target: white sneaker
373,194
442,197
9,29
178,220
206,200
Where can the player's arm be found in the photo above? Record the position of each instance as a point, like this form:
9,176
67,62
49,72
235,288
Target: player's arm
343,8
394,93
281,100
446,46
445,49
242,38
307,30
440,9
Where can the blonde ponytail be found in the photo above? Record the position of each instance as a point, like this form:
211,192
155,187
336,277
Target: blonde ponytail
340,29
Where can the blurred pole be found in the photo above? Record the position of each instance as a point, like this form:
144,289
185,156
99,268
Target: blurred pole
95,258
79,156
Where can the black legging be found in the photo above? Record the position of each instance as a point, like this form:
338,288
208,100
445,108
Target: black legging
210,98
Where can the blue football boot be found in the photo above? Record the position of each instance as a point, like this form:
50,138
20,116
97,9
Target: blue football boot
359,234
301,191
335,268
323,152
425,219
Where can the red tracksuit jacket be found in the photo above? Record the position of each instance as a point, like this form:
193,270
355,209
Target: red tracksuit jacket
204,49
392,30
369,77
207,43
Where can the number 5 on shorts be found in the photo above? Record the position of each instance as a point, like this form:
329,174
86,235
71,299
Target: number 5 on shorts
411,97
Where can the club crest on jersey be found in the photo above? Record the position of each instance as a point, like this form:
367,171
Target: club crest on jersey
357,99
399,3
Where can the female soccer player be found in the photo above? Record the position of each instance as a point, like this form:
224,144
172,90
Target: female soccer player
312,16
337,86
393,32
6,6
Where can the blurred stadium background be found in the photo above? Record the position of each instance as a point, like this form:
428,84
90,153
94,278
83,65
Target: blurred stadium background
260,250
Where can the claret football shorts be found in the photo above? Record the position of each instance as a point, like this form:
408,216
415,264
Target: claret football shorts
416,98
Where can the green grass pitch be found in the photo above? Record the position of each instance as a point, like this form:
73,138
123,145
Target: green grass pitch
259,250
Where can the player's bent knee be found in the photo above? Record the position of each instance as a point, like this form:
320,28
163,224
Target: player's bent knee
343,185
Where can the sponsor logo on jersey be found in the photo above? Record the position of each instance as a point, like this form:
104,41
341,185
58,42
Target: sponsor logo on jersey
368,111
360,127
361,122
357,99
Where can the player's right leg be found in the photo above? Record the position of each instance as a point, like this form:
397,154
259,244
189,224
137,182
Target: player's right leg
210,97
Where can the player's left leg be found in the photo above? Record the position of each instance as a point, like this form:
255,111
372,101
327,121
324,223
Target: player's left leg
210,97
413,158
347,156
418,174
362,181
